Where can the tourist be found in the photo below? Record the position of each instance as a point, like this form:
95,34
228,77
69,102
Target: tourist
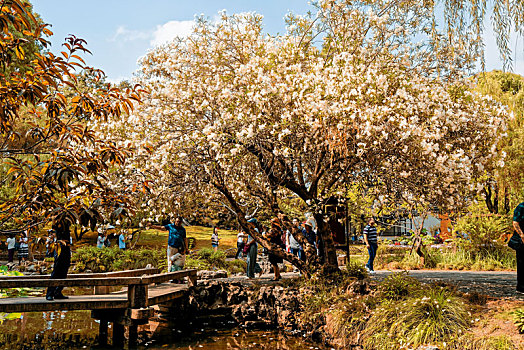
516,242
294,246
215,239
250,249
275,237
50,243
371,241
240,243
176,242
62,257
310,236
11,247
122,240
101,239
23,250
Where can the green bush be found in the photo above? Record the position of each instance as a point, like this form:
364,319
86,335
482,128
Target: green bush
208,259
357,270
204,254
431,317
483,234
470,342
199,264
519,319
399,285
113,259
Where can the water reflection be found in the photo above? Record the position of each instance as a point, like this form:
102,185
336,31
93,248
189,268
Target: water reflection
77,330
48,330
234,339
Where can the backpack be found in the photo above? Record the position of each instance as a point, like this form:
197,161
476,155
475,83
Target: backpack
515,242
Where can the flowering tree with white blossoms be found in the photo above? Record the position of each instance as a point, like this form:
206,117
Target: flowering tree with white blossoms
346,96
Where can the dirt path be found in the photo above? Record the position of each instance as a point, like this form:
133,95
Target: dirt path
500,284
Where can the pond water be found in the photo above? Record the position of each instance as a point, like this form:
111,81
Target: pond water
77,330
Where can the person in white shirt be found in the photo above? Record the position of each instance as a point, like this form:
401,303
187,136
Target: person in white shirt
240,243
11,247
100,239
23,251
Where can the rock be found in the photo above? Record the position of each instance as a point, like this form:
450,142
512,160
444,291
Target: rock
207,274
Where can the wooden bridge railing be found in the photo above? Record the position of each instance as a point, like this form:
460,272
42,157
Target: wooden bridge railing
131,313
130,278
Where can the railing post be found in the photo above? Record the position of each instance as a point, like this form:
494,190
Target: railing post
137,295
192,279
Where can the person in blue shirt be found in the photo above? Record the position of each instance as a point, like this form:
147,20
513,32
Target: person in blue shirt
176,241
122,240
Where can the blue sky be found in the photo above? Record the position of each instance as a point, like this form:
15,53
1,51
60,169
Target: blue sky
118,32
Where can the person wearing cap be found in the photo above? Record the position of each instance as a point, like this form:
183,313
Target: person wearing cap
309,234
100,240
122,240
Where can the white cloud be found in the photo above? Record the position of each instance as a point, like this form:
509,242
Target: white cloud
123,34
170,30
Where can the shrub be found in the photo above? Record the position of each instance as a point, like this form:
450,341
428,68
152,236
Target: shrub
199,264
208,259
356,270
399,285
237,266
470,342
113,259
434,317
483,234
519,319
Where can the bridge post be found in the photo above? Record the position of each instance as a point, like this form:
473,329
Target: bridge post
133,334
102,332
118,334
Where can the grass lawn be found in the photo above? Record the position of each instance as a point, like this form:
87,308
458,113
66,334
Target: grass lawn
158,238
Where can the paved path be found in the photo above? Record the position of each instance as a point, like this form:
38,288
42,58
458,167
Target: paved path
492,283
498,284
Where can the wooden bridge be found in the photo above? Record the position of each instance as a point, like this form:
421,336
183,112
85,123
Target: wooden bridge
129,307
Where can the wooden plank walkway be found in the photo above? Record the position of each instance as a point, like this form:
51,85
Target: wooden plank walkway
119,300
128,307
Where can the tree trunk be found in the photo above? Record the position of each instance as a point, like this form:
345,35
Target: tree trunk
506,201
330,263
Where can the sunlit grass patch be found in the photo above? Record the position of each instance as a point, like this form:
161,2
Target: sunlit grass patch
432,316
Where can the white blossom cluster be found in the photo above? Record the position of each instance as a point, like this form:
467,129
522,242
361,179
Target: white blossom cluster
230,106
